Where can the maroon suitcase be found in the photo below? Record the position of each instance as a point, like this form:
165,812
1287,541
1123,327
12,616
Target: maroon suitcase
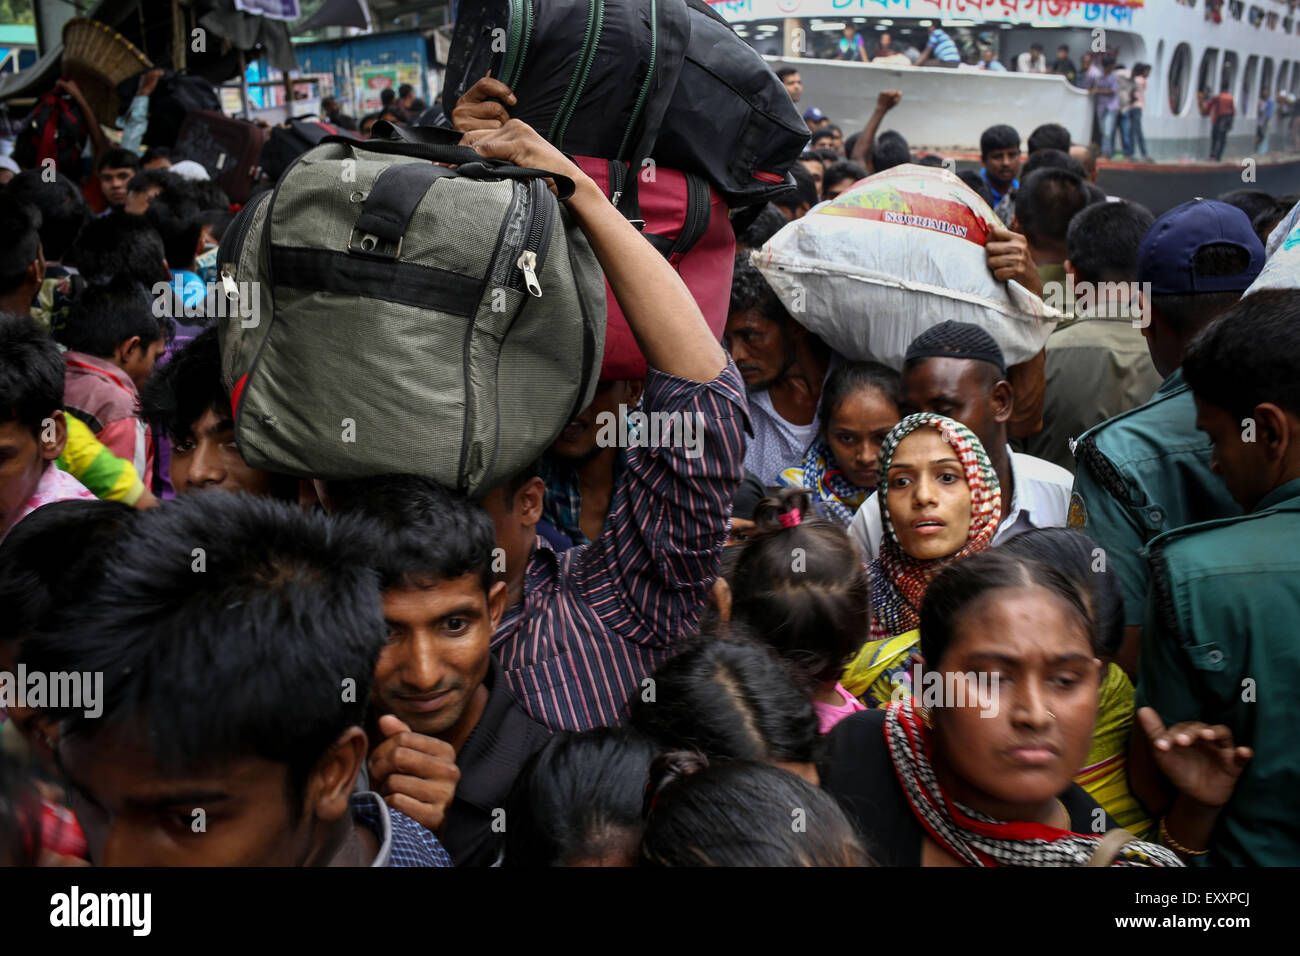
229,149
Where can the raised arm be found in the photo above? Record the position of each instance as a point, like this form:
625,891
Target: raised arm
660,310
886,100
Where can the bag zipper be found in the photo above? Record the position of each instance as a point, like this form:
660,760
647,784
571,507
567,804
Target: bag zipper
537,239
617,180
645,85
232,243
595,21
696,223
521,33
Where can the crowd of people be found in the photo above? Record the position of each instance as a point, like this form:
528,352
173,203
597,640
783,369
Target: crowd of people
962,612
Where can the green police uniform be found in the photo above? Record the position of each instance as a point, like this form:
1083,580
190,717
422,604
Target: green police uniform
1140,474
1221,644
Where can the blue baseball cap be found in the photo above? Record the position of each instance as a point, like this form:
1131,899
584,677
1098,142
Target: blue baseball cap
1167,252
814,114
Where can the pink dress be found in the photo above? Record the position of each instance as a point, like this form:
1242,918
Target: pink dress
828,715
55,485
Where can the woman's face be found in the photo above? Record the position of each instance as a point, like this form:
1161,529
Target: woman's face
855,432
927,496
1024,738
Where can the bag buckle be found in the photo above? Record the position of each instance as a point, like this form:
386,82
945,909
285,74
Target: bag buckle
373,247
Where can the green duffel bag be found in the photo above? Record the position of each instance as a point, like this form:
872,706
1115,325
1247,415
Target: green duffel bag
385,314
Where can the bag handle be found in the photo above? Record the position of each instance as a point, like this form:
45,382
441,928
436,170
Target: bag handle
442,145
1108,847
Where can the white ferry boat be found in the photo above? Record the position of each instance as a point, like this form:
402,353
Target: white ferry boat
1190,45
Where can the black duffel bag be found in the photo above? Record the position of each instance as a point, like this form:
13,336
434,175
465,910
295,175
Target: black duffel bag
730,119
286,143
176,96
592,76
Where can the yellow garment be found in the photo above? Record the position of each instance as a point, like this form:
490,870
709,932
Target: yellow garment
882,670
1105,775
103,473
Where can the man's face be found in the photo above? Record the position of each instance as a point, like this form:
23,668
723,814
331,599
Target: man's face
112,181
138,813
578,440
140,359
138,202
1062,54
794,86
208,459
959,389
514,521
816,170
986,55
837,186
761,348
437,652
1003,165
23,457
1241,464
837,141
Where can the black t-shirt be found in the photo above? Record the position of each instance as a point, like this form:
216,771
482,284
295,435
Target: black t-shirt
856,769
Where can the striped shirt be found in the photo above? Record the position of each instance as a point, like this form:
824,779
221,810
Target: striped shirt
942,46
596,620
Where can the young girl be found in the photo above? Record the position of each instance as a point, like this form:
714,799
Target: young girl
941,503
799,587
859,405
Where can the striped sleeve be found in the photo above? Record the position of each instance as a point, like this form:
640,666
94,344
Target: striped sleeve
106,475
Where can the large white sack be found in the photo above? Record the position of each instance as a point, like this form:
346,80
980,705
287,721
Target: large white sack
899,252
1282,270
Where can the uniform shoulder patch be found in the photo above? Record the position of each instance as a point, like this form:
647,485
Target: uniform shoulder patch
1077,517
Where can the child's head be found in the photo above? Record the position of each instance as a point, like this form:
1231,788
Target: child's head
859,405
739,813
22,263
577,802
116,321
800,587
177,216
729,699
32,429
941,492
119,245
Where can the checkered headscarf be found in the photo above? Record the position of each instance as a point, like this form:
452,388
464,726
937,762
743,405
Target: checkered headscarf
898,580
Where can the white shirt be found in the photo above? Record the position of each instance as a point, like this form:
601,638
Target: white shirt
1028,63
1041,499
777,444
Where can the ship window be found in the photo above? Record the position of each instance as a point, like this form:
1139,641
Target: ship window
1180,68
1209,70
1229,77
1248,84
1266,77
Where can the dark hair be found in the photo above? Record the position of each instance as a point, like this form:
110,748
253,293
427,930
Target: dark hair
1267,221
1103,241
147,179
158,152
749,290
997,138
849,377
120,245
1050,159
431,534
1186,313
889,150
841,170
406,89
740,813
976,182
246,658
108,314
51,558
178,394
1076,555
174,213
1095,193
804,190
20,224
825,132
930,159
851,143
218,220
729,699
1109,61
1250,201
387,95
1249,355
766,224
117,158
1045,204
814,611
785,71
578,798
960,585
31,372
827,156
63,211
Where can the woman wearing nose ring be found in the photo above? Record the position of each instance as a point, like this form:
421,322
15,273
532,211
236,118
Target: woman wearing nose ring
939,503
